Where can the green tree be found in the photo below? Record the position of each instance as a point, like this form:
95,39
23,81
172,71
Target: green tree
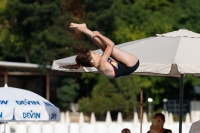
139,19
67,93
99,16
187,15
35,31
114,95
162,87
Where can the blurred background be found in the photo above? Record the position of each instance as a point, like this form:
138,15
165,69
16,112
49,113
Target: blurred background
34,33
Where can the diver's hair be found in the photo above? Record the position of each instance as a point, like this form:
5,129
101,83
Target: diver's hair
125,130
161,115
82,59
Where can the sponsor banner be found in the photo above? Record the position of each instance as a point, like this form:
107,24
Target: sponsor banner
48,104
54,113
6,113
3,102
53,116
31,113
27,102
1,115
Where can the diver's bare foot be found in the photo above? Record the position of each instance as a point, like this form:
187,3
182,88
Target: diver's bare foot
79,27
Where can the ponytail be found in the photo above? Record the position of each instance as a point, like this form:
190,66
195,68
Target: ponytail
82,59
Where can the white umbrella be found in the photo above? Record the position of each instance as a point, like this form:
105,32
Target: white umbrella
23,105
172,54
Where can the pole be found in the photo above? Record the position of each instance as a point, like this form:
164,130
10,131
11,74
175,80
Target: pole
5,78
4,127
47,87
165,107
150,109
181,103
141,109
195,100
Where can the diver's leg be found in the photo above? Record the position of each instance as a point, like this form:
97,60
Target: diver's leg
83,28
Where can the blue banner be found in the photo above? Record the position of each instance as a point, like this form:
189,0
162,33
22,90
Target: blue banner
1,114
31,115
27,102
53,116
3,102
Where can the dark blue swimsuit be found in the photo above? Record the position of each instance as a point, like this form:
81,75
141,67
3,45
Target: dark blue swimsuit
121,69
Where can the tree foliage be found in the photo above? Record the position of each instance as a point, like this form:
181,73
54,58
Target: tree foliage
67,93
36,30
114,95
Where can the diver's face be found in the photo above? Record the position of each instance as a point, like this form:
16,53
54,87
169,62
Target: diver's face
95,57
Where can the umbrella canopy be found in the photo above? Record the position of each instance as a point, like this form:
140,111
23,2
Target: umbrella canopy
23,105
169,54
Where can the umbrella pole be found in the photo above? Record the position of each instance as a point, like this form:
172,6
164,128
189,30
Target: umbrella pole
181,103
141,109
4,127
